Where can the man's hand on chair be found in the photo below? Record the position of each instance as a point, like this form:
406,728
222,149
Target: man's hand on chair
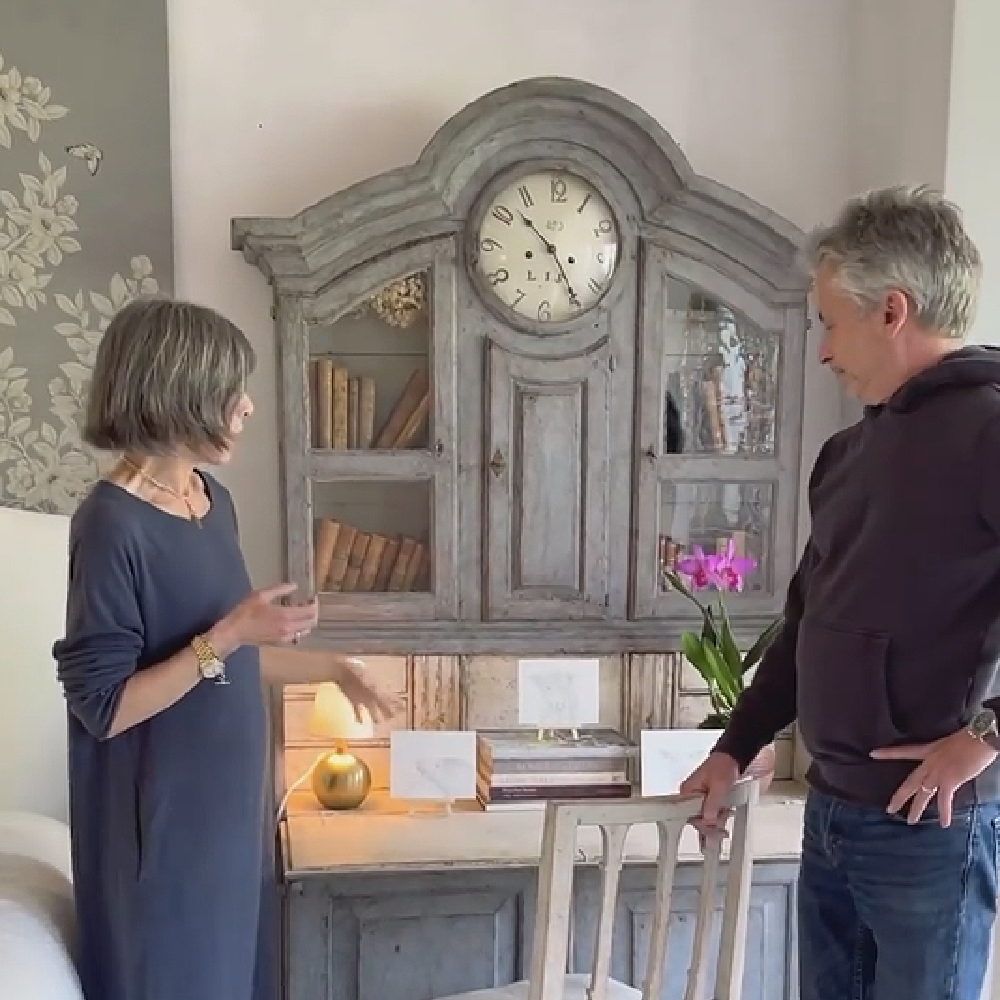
714,779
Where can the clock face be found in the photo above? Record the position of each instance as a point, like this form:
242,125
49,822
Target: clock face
548,246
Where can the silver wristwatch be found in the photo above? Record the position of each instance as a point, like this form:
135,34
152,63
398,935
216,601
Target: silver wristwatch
984,724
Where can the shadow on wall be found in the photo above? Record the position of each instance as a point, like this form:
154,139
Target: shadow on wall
32,711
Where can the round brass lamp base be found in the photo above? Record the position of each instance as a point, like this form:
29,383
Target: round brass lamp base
341,781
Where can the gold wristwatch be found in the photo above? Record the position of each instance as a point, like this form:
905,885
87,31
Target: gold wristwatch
210,664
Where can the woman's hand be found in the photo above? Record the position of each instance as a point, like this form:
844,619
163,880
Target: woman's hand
261,620
358,690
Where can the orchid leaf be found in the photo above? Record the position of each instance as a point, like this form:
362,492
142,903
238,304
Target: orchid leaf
764,640
694,649
709,632
728,687
699,654
729,649
718,703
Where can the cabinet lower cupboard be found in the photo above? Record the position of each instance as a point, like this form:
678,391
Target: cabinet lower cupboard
420,936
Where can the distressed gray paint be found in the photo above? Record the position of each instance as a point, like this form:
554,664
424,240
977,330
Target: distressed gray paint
327,258
421,935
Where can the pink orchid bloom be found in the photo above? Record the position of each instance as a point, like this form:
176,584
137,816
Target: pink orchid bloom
699,568
733,569
725,572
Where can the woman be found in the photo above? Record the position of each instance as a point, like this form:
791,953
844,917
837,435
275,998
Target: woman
162,674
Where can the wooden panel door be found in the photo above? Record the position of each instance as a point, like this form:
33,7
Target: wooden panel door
547,486
416,942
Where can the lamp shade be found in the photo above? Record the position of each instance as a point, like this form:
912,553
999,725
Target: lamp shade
333,716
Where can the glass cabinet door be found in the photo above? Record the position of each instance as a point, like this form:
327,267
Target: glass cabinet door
714,470
377,539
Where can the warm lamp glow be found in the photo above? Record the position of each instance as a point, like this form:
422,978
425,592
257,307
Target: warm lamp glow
339,779
333,716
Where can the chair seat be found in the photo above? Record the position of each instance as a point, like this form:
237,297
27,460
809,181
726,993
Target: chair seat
575,988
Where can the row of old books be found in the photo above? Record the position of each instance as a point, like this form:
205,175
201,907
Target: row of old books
525,768
343,410
348,560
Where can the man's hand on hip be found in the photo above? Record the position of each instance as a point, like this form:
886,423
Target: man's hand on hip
945,765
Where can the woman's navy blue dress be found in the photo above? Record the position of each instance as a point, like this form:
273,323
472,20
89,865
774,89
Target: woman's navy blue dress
172,850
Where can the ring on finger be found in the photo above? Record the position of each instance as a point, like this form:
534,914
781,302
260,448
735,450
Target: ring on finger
928,791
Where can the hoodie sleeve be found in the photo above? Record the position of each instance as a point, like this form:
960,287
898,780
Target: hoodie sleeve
768,704
989,464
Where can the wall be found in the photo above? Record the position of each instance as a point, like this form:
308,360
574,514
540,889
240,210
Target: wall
32,712
900,91
276,105
899,94
973,156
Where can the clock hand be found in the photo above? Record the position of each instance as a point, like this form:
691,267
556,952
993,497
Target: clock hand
569,288
551,248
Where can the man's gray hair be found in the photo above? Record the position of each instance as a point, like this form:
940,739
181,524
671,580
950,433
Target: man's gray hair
907,239
167,376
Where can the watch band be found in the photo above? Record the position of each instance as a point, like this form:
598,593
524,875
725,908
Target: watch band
211,666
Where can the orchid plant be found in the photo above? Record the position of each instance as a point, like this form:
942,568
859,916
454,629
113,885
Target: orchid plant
713,651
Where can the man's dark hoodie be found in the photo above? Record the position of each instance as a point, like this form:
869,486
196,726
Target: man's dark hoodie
892,622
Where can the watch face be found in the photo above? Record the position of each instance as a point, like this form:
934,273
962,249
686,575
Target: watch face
213,668
548,246
984,723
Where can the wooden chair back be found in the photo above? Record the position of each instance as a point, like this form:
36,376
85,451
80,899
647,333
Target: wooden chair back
670,814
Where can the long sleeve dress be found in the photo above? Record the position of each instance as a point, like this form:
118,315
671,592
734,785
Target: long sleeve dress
171,846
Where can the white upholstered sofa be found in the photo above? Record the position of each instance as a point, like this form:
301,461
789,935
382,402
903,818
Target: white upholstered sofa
37,921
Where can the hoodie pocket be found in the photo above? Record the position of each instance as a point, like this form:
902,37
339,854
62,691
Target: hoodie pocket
844,704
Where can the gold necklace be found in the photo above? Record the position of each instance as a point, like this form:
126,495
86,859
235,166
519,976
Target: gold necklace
183,497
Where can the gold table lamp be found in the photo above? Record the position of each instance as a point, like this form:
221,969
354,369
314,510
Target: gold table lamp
340,780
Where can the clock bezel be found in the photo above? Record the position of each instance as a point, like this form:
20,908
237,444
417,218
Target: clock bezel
501,180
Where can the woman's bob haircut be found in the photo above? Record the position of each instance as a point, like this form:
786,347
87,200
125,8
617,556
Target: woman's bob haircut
167,377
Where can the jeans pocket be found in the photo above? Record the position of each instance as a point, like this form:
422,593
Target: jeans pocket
844,705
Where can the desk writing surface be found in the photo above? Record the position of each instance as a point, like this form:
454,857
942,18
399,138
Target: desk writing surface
384,836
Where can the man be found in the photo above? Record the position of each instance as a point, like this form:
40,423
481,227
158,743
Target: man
888,654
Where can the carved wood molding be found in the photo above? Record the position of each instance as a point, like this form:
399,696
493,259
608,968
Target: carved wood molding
647,692
435,684
530,119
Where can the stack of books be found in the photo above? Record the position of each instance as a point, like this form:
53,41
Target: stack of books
525,768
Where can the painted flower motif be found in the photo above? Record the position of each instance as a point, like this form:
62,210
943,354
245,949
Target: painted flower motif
24,105
54,476
44,216
43,463
10,101
28,282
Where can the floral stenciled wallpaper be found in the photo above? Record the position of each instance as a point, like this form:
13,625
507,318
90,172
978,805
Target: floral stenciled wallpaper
84,223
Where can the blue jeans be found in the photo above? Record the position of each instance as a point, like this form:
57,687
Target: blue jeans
888,911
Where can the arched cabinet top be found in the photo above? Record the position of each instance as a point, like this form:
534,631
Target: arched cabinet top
548,118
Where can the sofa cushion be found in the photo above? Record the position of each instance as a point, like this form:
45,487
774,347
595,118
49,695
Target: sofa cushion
37,917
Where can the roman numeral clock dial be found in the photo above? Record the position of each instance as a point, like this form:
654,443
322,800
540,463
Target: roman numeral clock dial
548,246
